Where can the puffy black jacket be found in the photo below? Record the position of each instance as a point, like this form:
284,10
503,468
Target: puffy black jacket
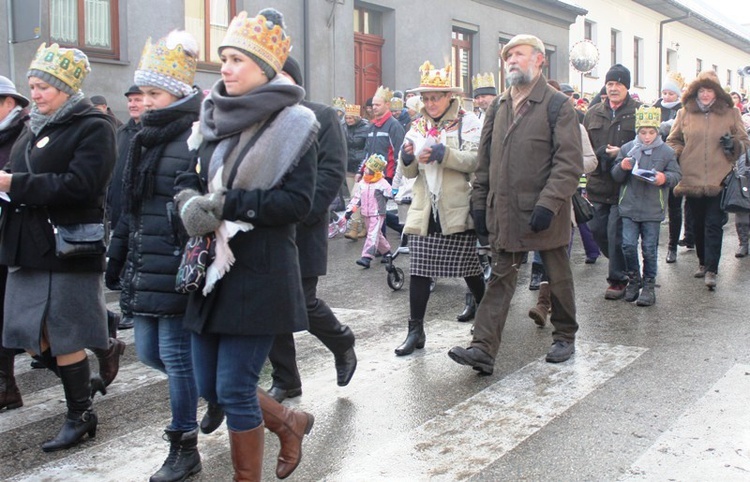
114,194
356,136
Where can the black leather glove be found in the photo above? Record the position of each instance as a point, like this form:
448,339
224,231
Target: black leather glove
727,143
480,226
541,219
112,275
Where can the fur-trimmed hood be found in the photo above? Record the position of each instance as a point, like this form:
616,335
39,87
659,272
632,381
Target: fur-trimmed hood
707,79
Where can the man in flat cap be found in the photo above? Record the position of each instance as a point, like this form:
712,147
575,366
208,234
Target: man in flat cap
610,124
521,199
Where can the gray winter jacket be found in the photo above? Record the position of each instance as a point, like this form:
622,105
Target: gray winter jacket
639,200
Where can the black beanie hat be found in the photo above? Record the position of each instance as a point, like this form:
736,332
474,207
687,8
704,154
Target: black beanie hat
292,68
618,73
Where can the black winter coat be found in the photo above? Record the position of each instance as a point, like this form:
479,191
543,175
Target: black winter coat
262,293
312,233
71,160
356,136
9,135
604,128
125,134
151,241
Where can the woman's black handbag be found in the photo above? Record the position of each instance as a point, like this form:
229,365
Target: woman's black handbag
583,210
736,195
74,240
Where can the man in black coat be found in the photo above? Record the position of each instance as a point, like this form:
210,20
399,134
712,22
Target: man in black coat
312,243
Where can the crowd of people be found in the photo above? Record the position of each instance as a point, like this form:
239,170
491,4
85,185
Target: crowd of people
220,165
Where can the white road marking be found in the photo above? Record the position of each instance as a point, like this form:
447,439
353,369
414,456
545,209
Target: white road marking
710,441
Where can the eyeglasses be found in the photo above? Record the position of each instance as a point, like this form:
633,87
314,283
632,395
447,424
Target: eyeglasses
432,98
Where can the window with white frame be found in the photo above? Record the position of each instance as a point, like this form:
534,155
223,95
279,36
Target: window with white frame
90,25
207,21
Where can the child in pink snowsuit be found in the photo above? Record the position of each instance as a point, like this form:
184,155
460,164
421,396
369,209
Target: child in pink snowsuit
371,199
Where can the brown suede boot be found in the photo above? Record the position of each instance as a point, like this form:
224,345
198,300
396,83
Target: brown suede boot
290,426
247,454
10,396
541,310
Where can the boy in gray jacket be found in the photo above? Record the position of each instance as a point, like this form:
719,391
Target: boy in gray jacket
646,168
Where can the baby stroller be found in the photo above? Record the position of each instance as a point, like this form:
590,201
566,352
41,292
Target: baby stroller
395,275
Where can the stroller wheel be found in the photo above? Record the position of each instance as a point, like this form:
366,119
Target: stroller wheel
396,279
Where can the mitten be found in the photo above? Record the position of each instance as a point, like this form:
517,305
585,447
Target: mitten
437,153
727,143
112,275
196,212
407,158
541,219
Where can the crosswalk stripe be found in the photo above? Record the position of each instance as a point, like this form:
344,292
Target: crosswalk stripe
473,434
710,440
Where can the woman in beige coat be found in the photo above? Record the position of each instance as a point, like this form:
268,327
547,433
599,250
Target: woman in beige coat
707,137
440,153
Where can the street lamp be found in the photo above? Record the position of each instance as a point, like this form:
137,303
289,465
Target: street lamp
583,57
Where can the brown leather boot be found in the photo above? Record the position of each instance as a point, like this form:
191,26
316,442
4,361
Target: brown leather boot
10,396
247,454
541,310
109,360
290,426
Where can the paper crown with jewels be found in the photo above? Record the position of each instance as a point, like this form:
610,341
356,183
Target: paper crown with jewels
376,163
647,117
383,93
339,103
397,103
483,84
260,37
353,109
435,80
168,64
61,64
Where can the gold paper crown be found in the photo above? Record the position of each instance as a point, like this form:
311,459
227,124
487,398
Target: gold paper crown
647,117
480,81
678,78
384,93
339,103
437,78
353,109
61,64
175,62
376,163
260,37
397,103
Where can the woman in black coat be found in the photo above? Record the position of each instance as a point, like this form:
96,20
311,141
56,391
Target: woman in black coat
60,168
254,182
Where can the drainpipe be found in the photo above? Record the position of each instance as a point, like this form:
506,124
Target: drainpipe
661,42
11,53
306,52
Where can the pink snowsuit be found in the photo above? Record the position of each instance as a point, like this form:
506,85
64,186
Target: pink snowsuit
372,198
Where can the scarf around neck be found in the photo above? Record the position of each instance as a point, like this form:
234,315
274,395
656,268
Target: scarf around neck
38,121
636,152
158,128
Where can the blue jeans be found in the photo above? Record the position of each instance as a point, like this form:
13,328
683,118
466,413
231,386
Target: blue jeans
648,231
227,368
606,226
163,344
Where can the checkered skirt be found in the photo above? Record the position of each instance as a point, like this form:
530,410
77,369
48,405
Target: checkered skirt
444,256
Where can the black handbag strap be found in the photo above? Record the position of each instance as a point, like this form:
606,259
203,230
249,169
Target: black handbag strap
249,146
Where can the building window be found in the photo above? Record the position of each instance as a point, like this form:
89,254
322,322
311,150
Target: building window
501,65
461,55
638,61
614,45
698,66
588,30
90,25
715,68
368,21
208,21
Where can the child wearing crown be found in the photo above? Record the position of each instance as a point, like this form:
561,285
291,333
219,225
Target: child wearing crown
370,200
646,168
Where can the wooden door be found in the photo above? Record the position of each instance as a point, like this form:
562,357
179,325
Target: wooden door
368,69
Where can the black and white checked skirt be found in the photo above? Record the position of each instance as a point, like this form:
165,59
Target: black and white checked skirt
444,256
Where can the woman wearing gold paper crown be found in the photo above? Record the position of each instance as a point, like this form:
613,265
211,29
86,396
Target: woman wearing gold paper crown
440,151
60,167
252,184
148,241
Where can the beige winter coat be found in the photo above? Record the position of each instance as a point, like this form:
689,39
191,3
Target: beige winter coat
456,167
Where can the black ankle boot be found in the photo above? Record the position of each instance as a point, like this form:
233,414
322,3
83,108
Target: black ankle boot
183,459
49,362
470,309
414,339
213,418
81,419
537,273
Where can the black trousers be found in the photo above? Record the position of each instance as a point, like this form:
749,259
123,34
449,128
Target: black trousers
323,324
675,204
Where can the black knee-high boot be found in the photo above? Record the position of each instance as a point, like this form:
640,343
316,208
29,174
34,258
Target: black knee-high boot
49,362
81,419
